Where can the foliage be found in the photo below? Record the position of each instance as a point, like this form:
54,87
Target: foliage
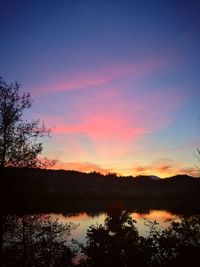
197,155
170,193
118,243
18,146
180,243
36,240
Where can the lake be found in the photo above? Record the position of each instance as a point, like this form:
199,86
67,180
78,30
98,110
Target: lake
83,220
24,228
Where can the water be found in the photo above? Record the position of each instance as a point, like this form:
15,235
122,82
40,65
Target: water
84,220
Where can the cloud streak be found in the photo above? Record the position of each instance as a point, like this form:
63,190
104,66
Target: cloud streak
112,120
81,166
162,168
165,168
106,119
89,79
103,117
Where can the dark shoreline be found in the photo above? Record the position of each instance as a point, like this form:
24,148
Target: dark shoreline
94,206
38,191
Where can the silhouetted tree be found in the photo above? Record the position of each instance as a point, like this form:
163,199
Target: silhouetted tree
116,243
197,155
179,244
36,240
18,137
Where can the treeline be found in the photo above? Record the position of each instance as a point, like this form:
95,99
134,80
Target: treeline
37,240
29,185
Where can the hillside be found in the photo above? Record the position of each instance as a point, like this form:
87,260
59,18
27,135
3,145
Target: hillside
36,187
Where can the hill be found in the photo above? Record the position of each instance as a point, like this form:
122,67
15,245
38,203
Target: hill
34,187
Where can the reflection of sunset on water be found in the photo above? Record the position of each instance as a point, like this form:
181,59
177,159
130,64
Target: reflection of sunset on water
161,216
84,220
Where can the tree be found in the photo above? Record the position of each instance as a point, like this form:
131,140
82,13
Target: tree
198,158
36,240
18,137
116,243
179,244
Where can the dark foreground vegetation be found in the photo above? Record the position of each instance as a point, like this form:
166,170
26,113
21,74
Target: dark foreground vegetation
36,190
36,240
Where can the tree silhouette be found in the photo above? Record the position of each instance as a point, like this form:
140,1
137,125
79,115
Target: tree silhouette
18,137
179,244
197,155
116,243
36,240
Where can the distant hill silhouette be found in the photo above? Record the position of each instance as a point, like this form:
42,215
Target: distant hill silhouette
38,187
147,177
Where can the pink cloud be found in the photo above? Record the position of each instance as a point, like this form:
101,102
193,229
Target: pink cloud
101,76
98,126
112,121
109,111
111,114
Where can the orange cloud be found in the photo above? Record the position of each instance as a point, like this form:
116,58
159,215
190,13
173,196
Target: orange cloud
162,168
165,168
81,166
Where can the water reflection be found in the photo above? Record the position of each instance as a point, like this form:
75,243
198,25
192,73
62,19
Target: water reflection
44,240
84,220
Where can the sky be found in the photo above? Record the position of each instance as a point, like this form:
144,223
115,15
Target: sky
117,80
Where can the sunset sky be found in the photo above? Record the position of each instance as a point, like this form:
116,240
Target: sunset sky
118,80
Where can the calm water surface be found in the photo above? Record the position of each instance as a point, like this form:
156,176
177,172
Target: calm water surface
84,220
